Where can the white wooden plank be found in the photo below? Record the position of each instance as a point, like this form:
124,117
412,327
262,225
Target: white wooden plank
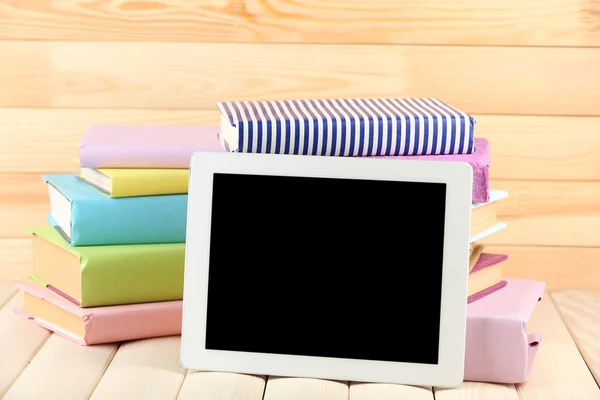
454,23
380,391
580,309
478,390
143,369
20,341
279,388
172,75
558,372
7,291
15,260
62,370
201,385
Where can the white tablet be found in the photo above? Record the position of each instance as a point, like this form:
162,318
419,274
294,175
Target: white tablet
339,268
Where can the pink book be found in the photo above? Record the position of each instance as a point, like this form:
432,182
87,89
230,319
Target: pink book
499,349
104,324
145,146
479,161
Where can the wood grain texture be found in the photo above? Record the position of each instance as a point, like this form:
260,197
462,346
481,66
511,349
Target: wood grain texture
62,369
7,291
143,369
23,203
541,23
15,259
523,147
580,311
537,213
542,148
382,391
546,213
479,80
562,268
478,390
205,385
304,389
558,371
20,341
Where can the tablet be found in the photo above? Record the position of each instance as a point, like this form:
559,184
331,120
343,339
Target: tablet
338,268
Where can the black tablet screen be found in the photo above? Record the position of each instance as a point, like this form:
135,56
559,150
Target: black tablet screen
326,267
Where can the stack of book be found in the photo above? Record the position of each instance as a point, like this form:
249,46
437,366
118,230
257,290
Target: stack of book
103,251
499,348
110,263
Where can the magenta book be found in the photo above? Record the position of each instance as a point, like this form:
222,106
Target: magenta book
145,146
487,260
479,160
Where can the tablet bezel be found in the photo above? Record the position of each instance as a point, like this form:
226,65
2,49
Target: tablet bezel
448,372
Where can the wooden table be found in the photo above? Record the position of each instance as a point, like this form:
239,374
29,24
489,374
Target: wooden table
35,364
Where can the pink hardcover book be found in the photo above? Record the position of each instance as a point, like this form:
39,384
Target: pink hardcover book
106,324
479,160
499,349
145,146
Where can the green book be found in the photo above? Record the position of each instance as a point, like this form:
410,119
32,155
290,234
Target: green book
93,276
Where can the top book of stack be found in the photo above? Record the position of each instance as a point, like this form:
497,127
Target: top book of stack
346,127
145,146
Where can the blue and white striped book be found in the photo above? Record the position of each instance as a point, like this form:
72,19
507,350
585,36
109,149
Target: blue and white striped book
346,127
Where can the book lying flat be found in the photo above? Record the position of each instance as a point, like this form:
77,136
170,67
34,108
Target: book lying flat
479,160
86,217
91,276
485,215
499,348
133,182
145,146
486,276
89,326
346,127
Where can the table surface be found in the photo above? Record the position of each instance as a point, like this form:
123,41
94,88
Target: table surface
36,364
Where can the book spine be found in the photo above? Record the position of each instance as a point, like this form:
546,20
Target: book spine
140,274
137,322
129,220
159,183
141,157
338,127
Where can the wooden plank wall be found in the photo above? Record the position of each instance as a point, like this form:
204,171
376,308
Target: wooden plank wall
528,71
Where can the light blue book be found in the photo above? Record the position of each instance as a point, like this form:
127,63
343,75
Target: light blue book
86,217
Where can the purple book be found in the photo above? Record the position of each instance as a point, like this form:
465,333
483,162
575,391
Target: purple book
487,260
145,146
479,161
